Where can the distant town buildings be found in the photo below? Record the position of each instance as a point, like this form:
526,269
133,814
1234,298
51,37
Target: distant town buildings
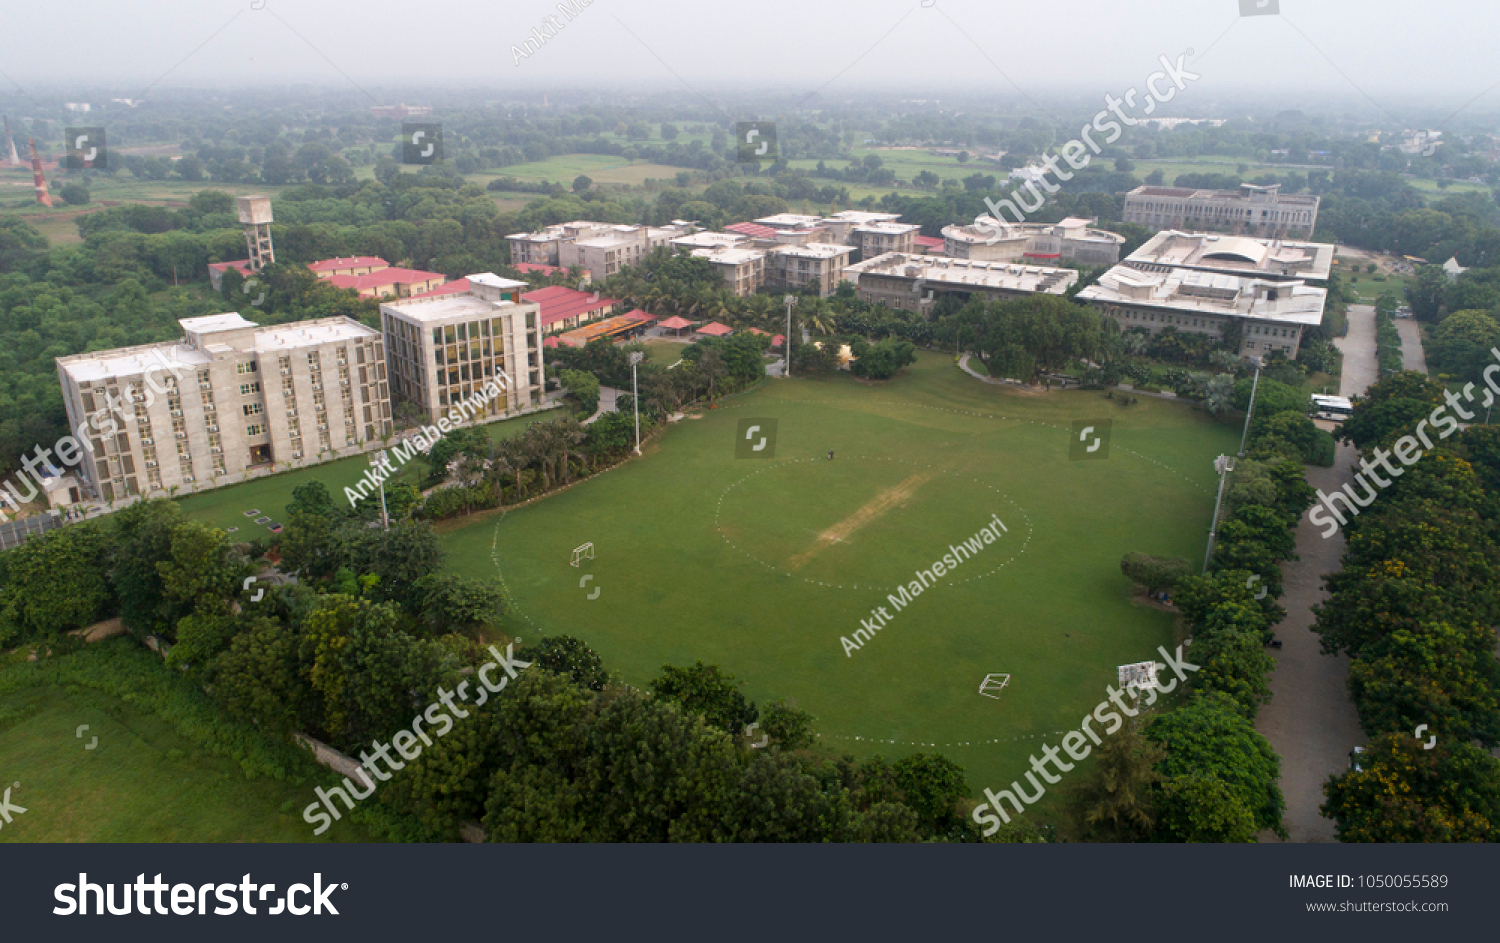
917,282
229,401
1033,243
444,348
1250,210
401,111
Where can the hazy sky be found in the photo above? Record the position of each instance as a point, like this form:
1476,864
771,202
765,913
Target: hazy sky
1397,52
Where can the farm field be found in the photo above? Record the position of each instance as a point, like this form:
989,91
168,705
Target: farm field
764,566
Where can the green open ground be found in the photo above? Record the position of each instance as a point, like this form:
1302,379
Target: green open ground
143,781
762,566
600,168
225,507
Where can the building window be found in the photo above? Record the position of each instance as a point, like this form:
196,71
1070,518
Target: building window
247,388
254,428
253,409
246,366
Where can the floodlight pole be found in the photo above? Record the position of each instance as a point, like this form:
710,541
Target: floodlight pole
786,340
1224,465
385,519
1250,409
635,399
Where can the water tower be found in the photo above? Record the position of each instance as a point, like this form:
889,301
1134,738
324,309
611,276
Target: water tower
255,216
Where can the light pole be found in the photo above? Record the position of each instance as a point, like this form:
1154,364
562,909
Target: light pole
635,399
786,341
378,460
1223,465
1250,410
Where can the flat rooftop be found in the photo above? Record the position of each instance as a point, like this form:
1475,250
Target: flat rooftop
1194,292
886,228
965,274
124,362
445,307
814,250
309,333
709,240
212,323
789,221
987,230
729,255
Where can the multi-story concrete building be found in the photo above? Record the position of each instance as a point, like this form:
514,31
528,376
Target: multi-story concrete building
842,225
916,282
874,239
1272,314
1250,210
743,269
817,263
445,348
1032,243
600,248
790,221
1237,255
708,240
229,401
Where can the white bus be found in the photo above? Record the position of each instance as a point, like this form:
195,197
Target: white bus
1333,408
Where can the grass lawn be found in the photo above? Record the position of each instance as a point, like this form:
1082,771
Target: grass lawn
225,507
665,353
762,566
142,782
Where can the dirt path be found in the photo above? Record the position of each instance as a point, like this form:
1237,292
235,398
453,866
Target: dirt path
872,510
1310,720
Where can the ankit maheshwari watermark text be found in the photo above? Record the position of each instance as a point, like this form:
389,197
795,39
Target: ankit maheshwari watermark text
880,618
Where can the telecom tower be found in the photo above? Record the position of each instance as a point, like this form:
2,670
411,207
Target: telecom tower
42,196
255,215
10,146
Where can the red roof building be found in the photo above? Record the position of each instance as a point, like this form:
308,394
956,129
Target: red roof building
676,324
754,230
619,326
927,245
564,308
452,288
354,265
389,282
715,329
216,271
541,269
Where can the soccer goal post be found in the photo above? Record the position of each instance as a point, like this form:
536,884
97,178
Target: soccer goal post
586,552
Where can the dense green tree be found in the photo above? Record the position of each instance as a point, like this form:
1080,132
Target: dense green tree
1405,793
708,691
1197,808
1208,736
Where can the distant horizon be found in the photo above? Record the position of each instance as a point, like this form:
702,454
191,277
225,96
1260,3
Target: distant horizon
1317,59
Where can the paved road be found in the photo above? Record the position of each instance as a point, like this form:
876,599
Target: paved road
1310,720
1412,356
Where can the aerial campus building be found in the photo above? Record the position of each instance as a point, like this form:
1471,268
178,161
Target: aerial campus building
1202,283
1032,243
444,348
916,282
229,401
1251,210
